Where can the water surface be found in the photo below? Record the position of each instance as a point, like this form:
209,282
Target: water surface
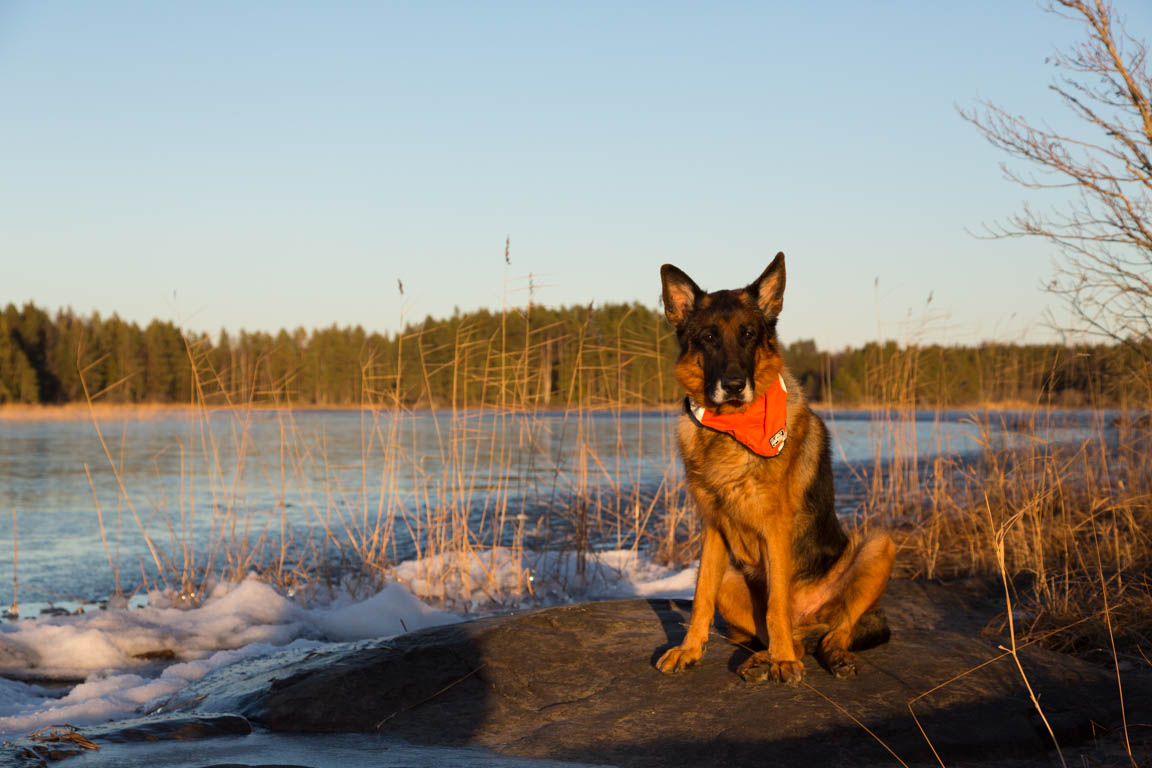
195,482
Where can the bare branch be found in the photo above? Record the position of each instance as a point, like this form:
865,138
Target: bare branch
1104,233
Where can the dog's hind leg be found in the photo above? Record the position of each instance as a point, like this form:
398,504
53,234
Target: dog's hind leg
857,590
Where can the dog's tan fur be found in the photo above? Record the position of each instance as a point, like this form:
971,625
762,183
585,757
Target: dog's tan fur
769,561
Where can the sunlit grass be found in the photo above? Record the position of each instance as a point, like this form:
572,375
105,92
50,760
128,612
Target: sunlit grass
1074,519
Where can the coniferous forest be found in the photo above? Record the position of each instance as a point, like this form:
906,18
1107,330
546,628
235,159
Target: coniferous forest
526,357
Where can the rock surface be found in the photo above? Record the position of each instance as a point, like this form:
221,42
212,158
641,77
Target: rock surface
578,683
171,728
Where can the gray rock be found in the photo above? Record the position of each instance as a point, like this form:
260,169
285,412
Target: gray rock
180,727
578,683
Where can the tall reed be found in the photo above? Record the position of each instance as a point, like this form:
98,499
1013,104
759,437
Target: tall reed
455,503
479,488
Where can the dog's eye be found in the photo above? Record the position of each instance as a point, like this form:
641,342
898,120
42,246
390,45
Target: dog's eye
747,333
708,337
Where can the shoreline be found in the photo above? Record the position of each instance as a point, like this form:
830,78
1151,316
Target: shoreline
146,411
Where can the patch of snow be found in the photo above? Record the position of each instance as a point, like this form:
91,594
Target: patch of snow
130,661
112,696
392,611
498,578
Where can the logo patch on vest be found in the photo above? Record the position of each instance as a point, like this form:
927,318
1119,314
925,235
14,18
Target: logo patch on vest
777,439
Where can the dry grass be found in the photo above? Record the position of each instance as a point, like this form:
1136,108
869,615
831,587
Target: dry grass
1067,524
1075,519
445,503
1075,523
1066,528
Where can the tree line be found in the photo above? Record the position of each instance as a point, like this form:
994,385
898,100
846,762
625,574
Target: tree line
612,354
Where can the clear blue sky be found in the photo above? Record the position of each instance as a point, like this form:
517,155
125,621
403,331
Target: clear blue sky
268,164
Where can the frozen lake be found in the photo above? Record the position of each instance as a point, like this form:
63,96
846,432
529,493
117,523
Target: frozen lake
197,484
185,486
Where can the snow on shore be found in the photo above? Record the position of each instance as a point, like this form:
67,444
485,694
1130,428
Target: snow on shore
131,660
540,578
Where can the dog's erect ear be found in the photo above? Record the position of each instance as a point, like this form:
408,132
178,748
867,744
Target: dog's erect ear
680,294
769,288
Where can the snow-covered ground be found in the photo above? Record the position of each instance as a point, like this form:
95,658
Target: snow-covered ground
132,660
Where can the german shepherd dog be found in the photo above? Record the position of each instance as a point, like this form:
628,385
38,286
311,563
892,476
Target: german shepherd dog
775,560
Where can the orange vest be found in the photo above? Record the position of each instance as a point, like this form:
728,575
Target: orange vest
761,427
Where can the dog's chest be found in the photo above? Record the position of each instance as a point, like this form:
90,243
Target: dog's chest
737,486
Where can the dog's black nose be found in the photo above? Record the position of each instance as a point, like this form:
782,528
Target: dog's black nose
733,385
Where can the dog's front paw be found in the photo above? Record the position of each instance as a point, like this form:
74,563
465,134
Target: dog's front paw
679,658
760,666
